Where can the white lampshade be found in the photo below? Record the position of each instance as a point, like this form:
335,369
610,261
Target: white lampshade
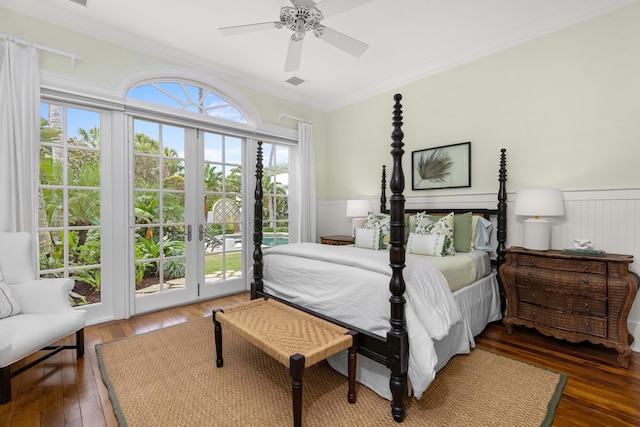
358,208
538,203
358,211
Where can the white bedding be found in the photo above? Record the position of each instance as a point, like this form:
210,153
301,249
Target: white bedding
479,303
298,273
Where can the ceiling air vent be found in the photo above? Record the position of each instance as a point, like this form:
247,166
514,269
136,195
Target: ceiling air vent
295,81
80,2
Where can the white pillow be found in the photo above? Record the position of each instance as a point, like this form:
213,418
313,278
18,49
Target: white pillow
368,238
442,227
8,304
427,244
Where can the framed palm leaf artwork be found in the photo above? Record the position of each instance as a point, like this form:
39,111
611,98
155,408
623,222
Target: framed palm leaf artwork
448,166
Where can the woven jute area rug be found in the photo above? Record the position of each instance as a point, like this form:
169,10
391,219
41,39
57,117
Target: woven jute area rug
169,377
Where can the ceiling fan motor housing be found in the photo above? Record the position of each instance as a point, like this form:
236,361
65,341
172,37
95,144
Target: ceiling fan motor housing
300,19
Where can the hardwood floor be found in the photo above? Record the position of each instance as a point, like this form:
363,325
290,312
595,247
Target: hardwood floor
65,392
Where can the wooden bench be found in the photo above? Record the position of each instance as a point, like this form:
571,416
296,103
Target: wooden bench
292,337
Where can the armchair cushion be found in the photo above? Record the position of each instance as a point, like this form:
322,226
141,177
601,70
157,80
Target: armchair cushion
8,304
47,315
16,257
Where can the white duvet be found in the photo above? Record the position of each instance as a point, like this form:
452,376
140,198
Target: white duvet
352,285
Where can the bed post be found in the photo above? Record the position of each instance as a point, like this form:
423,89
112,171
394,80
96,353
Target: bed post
502,222
383,190
397,337
257,286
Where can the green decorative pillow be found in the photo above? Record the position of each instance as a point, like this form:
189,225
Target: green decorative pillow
368,238
463,230
443,226
427,244
380,222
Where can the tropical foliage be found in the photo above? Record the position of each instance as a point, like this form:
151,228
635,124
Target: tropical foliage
69,208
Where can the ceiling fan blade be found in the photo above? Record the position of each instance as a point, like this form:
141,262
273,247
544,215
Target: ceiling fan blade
299,3
334,7
294,54
241,29
341,41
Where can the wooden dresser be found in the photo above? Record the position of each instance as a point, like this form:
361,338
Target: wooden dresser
571,297
337,240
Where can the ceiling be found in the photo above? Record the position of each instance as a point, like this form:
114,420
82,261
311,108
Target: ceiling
408,39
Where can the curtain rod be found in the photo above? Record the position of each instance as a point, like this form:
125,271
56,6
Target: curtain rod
73,57
300,119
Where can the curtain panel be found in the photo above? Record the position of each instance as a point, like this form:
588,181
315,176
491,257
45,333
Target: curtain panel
19,137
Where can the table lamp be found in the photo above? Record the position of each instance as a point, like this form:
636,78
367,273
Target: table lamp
358,211
538,203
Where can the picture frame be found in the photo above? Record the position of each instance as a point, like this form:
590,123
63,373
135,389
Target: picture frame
447,166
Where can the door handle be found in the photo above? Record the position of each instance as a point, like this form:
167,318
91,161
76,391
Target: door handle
189,233
200,232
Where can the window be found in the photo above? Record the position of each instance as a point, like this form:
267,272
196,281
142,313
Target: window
275,187
69,198
187,97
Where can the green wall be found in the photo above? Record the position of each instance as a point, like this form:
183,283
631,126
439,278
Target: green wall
565,106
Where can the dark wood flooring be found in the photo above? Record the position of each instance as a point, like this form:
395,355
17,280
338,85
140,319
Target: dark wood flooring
65,392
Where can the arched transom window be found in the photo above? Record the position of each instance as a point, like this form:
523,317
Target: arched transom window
187,97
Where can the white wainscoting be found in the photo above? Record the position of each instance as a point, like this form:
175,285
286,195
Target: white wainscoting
610,218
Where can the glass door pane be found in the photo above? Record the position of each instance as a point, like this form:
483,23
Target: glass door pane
160,234
222,249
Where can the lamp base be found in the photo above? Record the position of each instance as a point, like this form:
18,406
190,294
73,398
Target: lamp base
537,234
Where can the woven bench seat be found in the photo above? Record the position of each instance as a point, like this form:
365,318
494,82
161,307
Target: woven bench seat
294,338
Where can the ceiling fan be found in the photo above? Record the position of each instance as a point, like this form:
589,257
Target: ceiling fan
306,16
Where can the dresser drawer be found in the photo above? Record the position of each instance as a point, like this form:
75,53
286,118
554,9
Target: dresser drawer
563,282
570,322
580,266
567,302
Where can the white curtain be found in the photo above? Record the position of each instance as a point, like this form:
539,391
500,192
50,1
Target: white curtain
306,190
19,136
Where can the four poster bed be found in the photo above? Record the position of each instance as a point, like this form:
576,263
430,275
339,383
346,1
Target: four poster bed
408,330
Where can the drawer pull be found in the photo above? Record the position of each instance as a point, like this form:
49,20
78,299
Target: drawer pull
587,326
533,314
532,263
533,297
586,268
586,305
585,282
529,275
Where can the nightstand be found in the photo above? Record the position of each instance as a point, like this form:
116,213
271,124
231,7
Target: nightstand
571,297
337,240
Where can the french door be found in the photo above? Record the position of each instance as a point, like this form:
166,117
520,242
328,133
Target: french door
186,215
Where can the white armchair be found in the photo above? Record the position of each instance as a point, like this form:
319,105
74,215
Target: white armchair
46,315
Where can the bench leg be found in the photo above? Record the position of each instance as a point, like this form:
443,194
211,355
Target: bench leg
296,366
217,328
352,360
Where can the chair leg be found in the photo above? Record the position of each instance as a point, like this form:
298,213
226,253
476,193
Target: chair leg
80,343
5,385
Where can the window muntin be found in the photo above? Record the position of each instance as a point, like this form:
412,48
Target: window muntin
187,97
69,198
159,206
223,204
